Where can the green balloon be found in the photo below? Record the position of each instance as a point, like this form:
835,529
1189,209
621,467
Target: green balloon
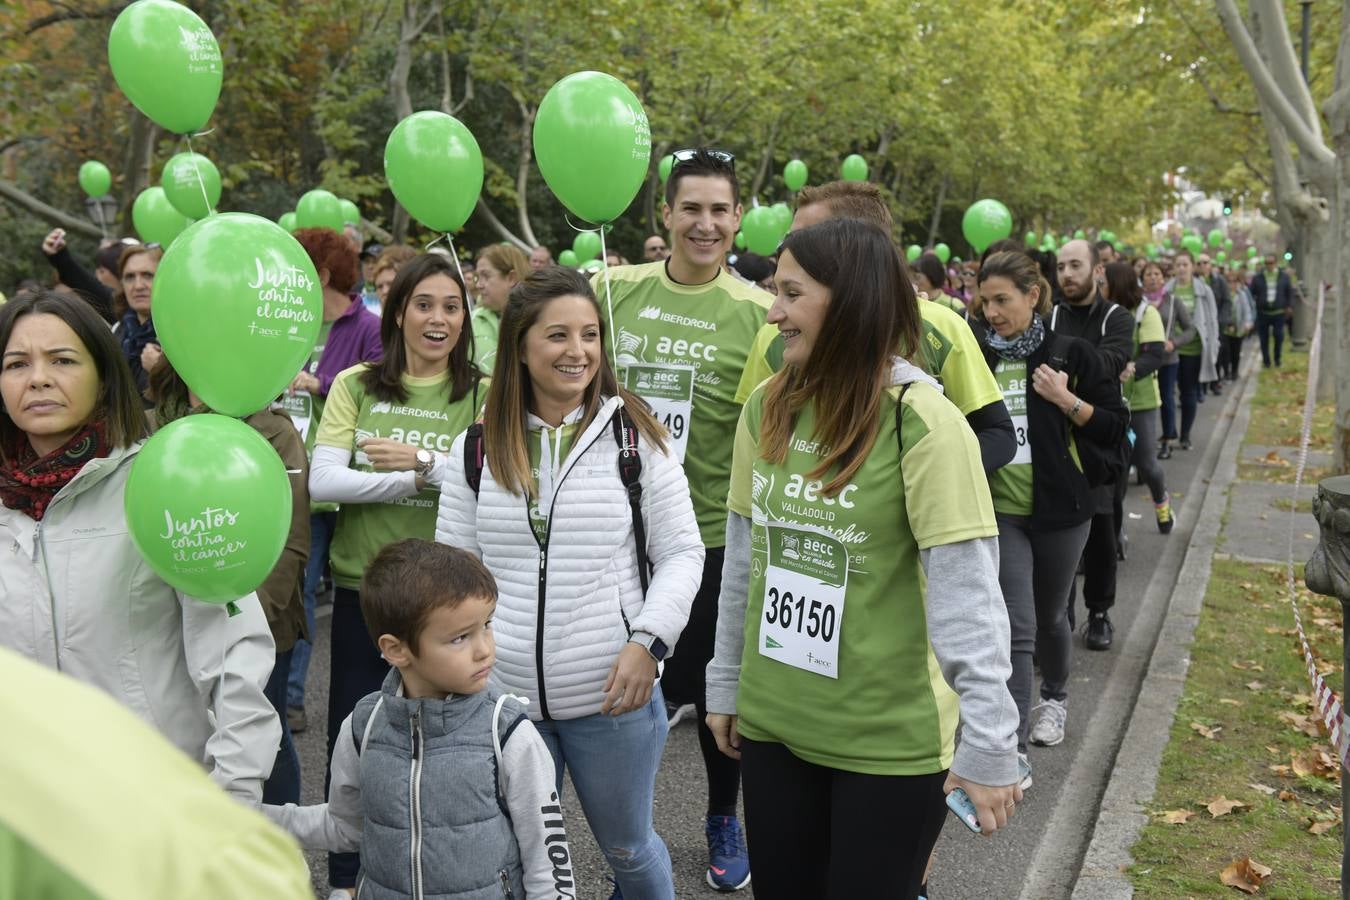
783,216
1216,237
593,144
760,227
569,259
1252,252
237,306
913,252
1228,243
208,505
664,166
586,245
185,189
1193,243
1029,239
1167,243
319,209
155,219
287,221
1079,234
854,168
795,174
943,253
351,215
95,179
1221,257
167,62
984,222
434,168
740,240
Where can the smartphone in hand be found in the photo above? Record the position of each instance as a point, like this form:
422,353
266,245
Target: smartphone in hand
958,801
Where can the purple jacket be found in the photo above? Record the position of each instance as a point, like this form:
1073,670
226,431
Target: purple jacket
354,338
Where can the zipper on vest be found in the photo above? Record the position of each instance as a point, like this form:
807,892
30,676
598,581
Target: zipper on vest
543,585
506,885
415,802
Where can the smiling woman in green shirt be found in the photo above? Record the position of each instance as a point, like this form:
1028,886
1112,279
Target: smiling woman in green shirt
860,587
380,452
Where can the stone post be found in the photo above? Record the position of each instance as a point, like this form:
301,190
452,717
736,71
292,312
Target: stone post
1328,572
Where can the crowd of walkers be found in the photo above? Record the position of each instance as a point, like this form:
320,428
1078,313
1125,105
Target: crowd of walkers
560,513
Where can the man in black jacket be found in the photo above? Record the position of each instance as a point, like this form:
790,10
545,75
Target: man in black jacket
1086,314
1273,294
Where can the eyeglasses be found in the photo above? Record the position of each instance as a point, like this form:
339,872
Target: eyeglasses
682,156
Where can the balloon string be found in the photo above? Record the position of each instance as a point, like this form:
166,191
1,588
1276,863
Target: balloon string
201,183
454,255
609,299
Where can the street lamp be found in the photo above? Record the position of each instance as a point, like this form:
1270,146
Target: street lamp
101,210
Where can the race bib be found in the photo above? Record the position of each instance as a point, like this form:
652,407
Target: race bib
300,407
1023,454
804,587
669,390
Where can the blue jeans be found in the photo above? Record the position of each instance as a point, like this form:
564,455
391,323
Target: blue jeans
1188,374
1167,389
321,527
1266,328
283,786
613,762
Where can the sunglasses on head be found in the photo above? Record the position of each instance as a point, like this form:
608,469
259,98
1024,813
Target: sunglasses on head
722,155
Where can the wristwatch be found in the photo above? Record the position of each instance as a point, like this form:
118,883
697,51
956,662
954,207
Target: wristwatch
652,644
424,463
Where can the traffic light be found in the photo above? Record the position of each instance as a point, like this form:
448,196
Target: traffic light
1227,206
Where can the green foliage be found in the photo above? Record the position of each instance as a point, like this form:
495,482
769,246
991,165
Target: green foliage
1068,113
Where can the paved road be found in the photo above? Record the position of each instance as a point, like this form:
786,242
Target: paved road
967,866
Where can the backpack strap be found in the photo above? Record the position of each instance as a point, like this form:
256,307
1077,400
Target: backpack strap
630,473
370,722
899,418
473,456
1054,316
1110,308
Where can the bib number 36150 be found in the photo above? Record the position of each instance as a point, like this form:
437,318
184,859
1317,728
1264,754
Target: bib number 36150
804,588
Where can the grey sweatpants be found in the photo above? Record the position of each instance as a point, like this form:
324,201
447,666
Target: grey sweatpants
1035,571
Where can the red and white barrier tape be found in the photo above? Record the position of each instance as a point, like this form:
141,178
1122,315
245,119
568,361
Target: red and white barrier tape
1328,704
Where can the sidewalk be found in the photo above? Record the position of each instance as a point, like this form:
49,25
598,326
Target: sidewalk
1242,521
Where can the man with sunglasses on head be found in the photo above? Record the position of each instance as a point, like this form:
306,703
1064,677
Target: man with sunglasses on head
690,339
654,249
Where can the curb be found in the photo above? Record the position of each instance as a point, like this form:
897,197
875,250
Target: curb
1133,780
1117,750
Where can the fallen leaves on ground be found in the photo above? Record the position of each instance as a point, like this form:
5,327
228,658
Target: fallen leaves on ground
1177,816
1315,762
1263,788
1245,874
1228,702
1248,666
1255,685
1222,806
1322,827
1207,732
1272,459
1288,797
1302,724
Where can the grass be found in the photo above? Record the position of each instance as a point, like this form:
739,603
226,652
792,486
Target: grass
1247,685
1277,420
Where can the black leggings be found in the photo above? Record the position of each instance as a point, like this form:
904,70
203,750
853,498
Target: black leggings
828,834
685,678
356,669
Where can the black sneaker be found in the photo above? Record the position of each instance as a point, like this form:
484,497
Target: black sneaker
1185,444
1099,631
1165,451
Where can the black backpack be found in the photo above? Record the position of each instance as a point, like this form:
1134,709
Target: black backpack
630,473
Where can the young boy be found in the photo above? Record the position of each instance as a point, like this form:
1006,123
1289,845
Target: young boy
444,785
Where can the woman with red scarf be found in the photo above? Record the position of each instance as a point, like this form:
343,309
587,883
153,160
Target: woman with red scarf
74,592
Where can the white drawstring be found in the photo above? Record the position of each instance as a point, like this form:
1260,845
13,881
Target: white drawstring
551,458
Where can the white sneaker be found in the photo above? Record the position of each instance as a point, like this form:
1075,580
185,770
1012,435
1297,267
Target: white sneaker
341,894
1049,728
675,714
1023,772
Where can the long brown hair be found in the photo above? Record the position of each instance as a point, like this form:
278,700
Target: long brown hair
384,379
119,402
873,316
511,394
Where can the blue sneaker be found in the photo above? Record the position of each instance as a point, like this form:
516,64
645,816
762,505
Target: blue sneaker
728,860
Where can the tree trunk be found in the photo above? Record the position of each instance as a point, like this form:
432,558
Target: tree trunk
527,111
26,201
496,225
936,220
136,167
412,22
1337,110
762,172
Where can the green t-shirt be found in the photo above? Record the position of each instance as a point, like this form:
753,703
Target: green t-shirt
1142,393
1186,294
836,663
1011,484
486,326
428,420
559,447
694,352
947,301
952,354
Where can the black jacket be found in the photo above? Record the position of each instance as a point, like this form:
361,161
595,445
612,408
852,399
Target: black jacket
1107,327
1284,294
1060,496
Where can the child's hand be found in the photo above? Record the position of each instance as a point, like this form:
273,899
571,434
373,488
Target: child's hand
629,685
